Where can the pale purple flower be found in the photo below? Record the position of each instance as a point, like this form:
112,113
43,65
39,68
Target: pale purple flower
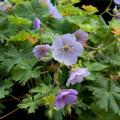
81,36
37,23
117,2
65,97
5,5
40,51
77,76
54,12
65,49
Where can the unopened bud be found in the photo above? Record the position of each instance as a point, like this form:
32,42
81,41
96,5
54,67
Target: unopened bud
57,76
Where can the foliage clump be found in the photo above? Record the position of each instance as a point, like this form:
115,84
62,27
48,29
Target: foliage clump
68,59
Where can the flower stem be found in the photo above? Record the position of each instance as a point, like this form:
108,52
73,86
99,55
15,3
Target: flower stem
107,9
9,113
15,98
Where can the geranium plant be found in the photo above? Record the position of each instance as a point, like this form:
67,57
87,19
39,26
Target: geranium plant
67,58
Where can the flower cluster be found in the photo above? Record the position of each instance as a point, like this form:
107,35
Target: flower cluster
65,49
68,96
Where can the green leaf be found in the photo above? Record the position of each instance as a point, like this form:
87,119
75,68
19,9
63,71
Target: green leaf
107,95
48,79
90,9
114,23
57,115
115,59
11,58
31,10
70,10
23,72
17,1
96,66
5,88
48,36
19,20
23,35
25,10
42,89
38,97
67,1
2,107
88,24
2,52
102,114
9,63
29,104
98,37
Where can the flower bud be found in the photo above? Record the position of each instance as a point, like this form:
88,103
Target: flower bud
37,23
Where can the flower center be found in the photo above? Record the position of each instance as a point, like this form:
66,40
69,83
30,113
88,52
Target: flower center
66,48
77,36
43,49
63,98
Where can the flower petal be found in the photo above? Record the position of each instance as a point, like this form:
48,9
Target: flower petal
69,60
54,12
70,99
71,91
58,55
57,43
77,76
68,39
78,49
59,104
